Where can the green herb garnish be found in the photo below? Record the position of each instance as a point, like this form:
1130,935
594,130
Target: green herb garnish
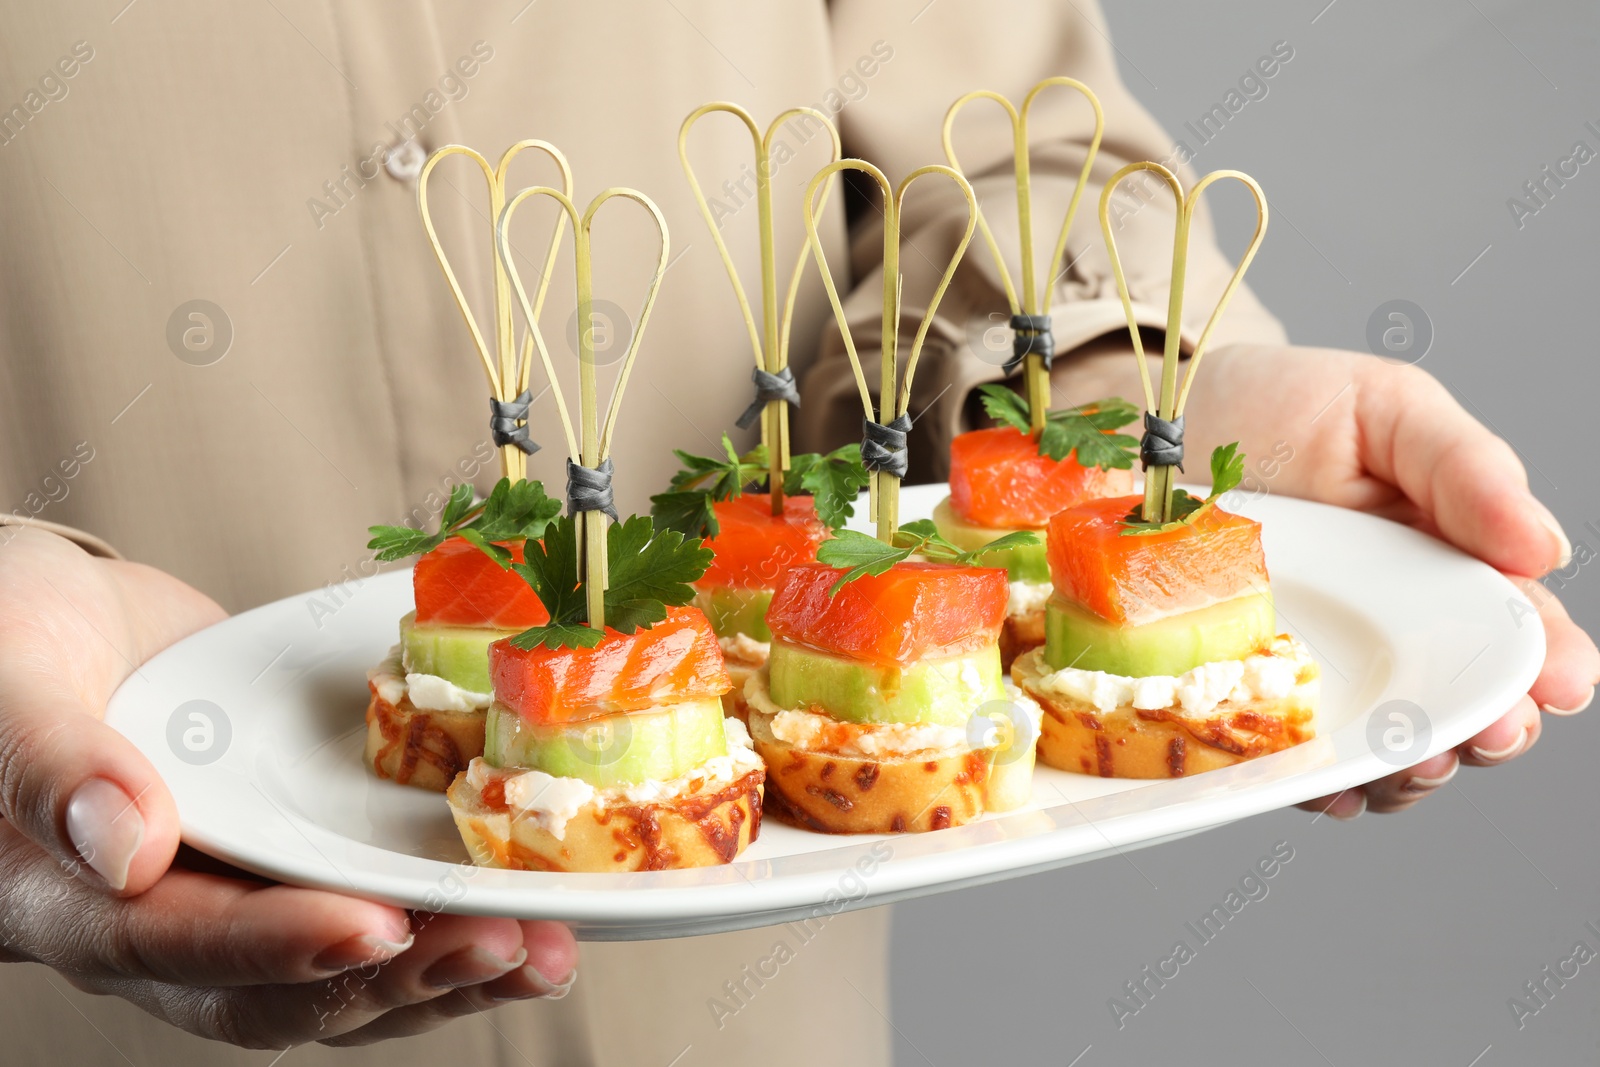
513,511
833,479
649,570
1227,471
1085,429
858,554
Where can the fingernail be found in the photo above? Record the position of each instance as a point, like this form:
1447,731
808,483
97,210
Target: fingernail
1355,814
538,986
1563,545
1505,753
470,966
357,952
106,828
1419,784
1552,709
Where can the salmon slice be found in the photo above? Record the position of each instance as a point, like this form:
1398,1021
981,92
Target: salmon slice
998,479
457,585
753,546
1138,578
675,660
910,612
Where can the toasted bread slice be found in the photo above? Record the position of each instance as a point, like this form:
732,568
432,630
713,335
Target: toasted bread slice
703,828
839,791
1021,633
414,747
1128,742
742,656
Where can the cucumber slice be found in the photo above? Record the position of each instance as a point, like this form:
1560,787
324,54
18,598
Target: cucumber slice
610,750
1172,646
458,654
1026,564
736,611
943,691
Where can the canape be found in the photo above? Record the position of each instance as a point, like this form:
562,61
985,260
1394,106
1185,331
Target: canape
1162,656
616,757
752,547
713,498
865,712
1007,478
425,719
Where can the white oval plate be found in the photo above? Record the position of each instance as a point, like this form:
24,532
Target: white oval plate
1391,614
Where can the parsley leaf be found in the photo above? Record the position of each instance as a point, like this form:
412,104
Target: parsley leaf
723,478
516,511
859,554
513,511
650,570
834,480
1006,405
1227,471
1086,429
551,571
688,511
702,481
398,542
558,635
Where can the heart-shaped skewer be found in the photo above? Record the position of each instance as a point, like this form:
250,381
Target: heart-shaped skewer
1168,404
589,447
883,449
771,343
506,369
1037,289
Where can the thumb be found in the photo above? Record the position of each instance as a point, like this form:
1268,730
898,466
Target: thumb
83,792
69,782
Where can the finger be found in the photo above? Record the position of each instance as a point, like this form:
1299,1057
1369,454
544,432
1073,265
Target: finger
83,792
1505,739
1345,805
549,972
1565,685
1472,483
189,928
71,784
450,952
1400,790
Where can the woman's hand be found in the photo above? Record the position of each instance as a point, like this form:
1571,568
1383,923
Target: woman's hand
1387,438
93,882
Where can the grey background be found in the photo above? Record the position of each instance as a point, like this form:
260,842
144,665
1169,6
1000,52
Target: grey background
1388,146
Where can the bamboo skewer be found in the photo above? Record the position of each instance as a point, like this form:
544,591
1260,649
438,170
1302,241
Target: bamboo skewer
590,445
1035,298
506,368
771,343
893,403
1170,402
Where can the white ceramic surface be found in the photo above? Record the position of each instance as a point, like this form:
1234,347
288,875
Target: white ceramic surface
1391,615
